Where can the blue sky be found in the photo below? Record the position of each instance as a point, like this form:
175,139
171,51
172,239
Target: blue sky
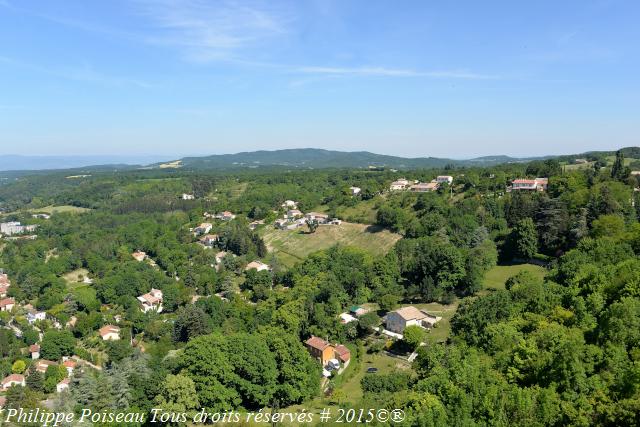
411,78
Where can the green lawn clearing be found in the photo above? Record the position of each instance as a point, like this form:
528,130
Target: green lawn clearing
498,275
291,246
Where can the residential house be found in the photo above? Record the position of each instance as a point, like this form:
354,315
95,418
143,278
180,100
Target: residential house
151,301
400,184
186,196
35,351
293,214
3,401
257,265
342,353
357,310
71,322
441,179
325,352
580,161
220,256
34,316
225,216
14,227
3,290
203,228
139,256
254,224
424,187
42,365
110,333
70,365
347,318
319,217
320,349
355,190
63,385
537,184
7,304
209,240
12,380
635,173
290,204
4,279
41,216
398,320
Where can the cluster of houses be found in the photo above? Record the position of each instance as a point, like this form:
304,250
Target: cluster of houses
223,216
420,187
41,366
15,227
332,357
295,218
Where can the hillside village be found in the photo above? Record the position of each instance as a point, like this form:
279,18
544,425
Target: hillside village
157,280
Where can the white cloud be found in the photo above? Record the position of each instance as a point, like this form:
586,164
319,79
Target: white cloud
206,31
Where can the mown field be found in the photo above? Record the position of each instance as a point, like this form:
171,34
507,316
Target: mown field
498,275
291,246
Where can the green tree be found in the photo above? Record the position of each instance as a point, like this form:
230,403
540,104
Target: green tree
178,395
412,336
525,239
56,344
18,367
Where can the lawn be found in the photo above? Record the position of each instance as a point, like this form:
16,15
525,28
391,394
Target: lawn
291,246
74,278
364,212
442,329
498,275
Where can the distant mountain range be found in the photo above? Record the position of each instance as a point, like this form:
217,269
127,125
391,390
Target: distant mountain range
301,158
12,162
313,158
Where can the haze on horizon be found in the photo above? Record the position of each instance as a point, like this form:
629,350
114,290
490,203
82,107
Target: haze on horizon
190,77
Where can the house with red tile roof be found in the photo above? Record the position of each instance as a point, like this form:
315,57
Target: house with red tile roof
12,380
7,304
109,333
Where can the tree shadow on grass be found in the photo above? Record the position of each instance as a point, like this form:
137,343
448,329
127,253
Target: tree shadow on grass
374,229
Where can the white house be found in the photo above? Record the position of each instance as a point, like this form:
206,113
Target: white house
257,265
151,301
537,184
203,228
11,380
63,385
209,240
186,196
42,365
321,218
110,333
70,365
294,213
35,351
34,316
355,190
398,320
290,204
139,256
7,304
441,179
424,187
225,216
400,184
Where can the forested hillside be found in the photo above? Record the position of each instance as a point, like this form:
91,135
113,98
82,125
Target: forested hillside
555,342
